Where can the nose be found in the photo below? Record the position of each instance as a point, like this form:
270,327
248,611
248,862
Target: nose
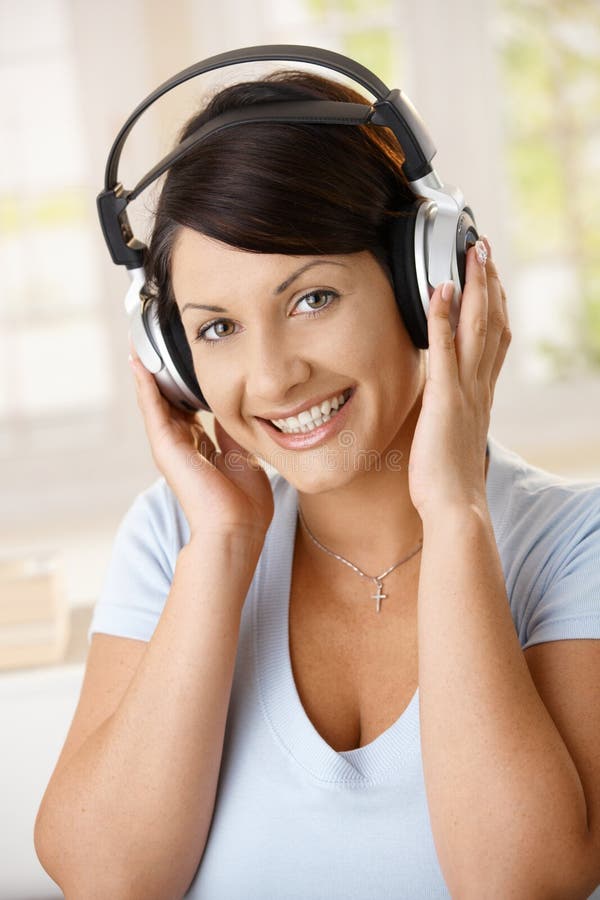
274,366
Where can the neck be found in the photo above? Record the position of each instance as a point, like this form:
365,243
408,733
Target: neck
371,520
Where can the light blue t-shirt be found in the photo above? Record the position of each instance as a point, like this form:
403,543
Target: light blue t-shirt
295,819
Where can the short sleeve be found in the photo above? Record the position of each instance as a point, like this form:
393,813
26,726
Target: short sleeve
141,566
569,604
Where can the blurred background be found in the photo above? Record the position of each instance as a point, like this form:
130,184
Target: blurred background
510,90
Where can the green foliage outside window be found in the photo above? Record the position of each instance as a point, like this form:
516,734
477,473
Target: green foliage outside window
550,63
346,7
364,29
65,206
373,48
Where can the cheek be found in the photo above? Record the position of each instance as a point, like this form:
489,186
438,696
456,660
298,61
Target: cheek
217,386
401,372
360,339
386,347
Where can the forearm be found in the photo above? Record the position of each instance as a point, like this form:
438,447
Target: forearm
132,809
506,803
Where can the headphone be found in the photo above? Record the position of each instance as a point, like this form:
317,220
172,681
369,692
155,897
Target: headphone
426,247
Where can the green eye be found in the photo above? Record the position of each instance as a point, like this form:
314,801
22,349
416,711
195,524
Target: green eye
320,299
319,296
217,325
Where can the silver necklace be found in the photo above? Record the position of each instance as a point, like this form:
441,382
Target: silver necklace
376,579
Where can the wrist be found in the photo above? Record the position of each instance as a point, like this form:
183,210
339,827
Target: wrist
455,517
217,570
239,547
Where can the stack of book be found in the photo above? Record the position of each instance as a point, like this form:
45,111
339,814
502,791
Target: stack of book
34,611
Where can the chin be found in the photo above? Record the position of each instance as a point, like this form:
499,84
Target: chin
319,483
316,472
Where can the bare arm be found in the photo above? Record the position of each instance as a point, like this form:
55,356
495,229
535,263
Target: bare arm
506,802
128,814
506,799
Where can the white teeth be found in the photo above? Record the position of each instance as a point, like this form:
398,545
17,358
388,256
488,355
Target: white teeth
307,420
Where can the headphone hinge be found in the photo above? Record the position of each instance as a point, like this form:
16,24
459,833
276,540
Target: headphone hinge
124,248
397,113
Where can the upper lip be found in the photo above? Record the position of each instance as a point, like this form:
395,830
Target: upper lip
306,404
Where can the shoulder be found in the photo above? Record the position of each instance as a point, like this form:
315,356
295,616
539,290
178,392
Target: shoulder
548,535
530,504
140,570
156,516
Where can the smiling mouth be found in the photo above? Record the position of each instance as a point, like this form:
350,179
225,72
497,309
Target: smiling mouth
308,420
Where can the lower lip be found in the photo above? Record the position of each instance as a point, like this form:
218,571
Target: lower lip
312,438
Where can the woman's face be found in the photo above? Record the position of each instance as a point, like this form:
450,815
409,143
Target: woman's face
288,332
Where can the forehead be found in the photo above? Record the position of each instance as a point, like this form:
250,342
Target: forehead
202,266
195,253
190,245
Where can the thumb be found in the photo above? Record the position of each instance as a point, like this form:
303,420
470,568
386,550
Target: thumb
225,441
442,350
233,454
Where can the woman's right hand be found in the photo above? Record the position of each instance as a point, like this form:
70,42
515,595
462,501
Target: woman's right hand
222,492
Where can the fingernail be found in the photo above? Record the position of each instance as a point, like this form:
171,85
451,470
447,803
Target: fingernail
447,291
488,246
481,251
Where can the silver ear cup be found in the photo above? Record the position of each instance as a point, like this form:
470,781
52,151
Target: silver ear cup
443,230
150,346
423,226
435,257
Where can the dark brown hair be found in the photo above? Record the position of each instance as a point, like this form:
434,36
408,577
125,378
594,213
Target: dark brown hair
280,188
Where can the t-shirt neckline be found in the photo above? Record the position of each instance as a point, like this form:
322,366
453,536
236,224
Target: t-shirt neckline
377,761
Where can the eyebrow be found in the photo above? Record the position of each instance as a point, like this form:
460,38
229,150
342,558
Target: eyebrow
309,265
203,306
279,289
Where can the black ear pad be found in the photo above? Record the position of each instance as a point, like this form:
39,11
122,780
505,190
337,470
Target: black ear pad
404,273
466,236
179,350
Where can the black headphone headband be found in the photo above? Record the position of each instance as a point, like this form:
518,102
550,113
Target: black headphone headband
392,109
329,112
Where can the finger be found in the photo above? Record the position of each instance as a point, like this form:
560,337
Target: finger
505,341
472,329
226,442
495,349
232,453
155,409
442,356
132,351
204,445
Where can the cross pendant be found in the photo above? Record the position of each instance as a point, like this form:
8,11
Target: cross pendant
379,596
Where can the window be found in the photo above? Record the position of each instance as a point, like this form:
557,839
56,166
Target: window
550,64
53,346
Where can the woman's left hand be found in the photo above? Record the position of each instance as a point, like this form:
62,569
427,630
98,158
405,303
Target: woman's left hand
447,457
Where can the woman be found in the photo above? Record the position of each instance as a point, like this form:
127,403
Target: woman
372,673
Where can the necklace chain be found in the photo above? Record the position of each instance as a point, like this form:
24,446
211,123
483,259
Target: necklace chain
377,579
